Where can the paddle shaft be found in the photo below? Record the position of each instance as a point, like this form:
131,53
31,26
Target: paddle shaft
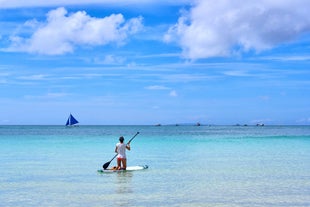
106,165
133,138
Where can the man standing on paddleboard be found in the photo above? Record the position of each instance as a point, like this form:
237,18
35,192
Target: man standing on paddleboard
120,149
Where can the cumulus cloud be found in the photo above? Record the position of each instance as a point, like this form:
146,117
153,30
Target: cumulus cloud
64,31
224,27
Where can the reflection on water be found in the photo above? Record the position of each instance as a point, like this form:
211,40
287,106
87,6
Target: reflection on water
123,182
123,188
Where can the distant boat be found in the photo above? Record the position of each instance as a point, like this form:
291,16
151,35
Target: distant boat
71,121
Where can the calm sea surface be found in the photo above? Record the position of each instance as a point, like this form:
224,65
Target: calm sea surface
223,166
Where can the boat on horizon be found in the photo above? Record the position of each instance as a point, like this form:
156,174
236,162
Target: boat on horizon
71,121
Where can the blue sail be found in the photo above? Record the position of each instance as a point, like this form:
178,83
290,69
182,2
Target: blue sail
71,121
67,122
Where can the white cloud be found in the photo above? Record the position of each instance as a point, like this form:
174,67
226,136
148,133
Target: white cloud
224,27
237,73
157,87
288,58
48,96
34,77
173,93
303,121
110,60
63,31
264,98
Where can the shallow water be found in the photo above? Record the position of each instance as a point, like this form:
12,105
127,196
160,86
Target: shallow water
188,166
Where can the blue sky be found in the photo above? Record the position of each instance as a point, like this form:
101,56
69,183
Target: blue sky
149,62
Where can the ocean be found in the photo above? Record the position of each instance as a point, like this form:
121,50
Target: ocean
222,166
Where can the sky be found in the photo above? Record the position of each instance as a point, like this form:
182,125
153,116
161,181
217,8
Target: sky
221,62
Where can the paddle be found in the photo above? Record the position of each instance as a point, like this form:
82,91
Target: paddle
106,165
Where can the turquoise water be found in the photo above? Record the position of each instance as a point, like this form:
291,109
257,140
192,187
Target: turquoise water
188,166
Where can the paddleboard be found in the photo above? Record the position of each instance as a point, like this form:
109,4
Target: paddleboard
128,169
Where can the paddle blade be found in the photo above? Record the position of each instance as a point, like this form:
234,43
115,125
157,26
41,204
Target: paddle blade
106,165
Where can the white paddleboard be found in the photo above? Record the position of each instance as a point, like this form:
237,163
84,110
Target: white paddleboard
128,169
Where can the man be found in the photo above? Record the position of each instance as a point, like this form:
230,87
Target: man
120,149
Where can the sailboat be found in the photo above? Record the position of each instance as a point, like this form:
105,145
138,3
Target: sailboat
71,121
